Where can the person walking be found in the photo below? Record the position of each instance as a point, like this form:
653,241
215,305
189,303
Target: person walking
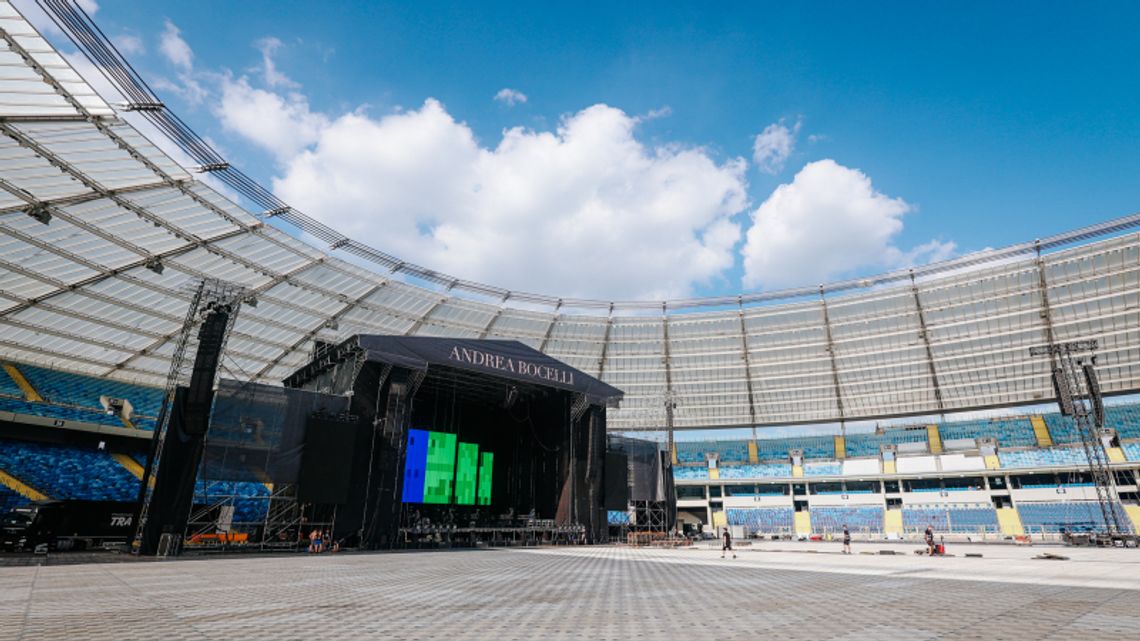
846,540
929,535
727,546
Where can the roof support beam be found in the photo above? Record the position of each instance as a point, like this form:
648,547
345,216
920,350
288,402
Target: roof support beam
487,327
605,343
1046,310
313,332
550,327
831,357
747,366
926,343
65,201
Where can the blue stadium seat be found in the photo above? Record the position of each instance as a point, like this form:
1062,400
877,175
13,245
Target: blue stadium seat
617,517
690,473
10,500
1062,429
68,472
8,387
84,391
858,519
1072,516
1046,457
957,519
1125,419
763,520
726,451
1131,451
756,471
826,468
47,410
1009,432
869,444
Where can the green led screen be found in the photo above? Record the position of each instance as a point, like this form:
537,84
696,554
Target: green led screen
485,469
465,474
440,468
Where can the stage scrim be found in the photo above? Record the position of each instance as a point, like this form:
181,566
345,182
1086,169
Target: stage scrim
466,437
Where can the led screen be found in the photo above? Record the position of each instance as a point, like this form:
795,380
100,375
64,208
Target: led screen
440,470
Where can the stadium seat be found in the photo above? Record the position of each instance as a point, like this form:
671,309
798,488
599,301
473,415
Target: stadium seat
1009,432
761,470
65,388
951,519
763,520
858,518
1072,516
690,473
68,472
823,468
1047,457
859,445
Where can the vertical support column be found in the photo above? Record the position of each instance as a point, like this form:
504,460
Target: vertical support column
550,327
1046,310
926,343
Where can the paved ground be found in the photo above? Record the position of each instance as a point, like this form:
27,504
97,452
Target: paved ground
799,592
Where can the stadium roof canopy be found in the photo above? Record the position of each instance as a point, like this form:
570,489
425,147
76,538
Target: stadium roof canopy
84,292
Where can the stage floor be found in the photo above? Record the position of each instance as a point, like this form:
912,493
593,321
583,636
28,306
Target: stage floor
803,591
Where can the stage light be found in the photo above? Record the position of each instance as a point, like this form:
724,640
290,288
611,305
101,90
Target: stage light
40,213
154,264
512,397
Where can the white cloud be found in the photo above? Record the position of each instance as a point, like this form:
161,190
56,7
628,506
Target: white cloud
828,222
174,48
773,146
273,78
585,210
89,6
281,124
510,97
129,44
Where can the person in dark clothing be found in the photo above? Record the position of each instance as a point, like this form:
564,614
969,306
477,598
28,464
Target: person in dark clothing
929,540
846,540
727,546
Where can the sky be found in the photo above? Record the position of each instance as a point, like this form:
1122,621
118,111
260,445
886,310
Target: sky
612,150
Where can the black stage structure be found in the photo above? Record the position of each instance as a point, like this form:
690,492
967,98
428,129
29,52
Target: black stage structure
543,421
639,489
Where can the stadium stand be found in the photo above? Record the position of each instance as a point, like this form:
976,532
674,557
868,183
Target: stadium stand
249,499
1125,419
48,410
814,447
8,386
726,451
690,473
1046,457
1131,451
957,519
762,470
857,518
68,472
1071,516
763,519
1062,428
10,499
825,468
869,444
1009,432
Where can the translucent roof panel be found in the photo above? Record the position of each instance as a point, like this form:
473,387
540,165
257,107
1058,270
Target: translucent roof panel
102,289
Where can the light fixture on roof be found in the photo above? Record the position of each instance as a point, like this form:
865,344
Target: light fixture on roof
40,213
141,106
154,264
332,324
251,301
212,166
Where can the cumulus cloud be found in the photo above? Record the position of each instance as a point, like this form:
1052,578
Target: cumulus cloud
773,146
584,210
828,222
273,78
129,44
510,97
281,124
174,48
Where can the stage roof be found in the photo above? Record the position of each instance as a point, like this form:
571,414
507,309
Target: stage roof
99,288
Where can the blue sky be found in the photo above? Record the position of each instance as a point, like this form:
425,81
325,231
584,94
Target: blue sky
949,128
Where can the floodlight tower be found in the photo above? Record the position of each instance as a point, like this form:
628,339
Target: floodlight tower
1078,396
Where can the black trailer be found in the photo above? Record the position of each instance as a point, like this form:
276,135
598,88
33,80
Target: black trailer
67,525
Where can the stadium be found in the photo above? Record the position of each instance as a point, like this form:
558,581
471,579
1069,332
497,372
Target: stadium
177,339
